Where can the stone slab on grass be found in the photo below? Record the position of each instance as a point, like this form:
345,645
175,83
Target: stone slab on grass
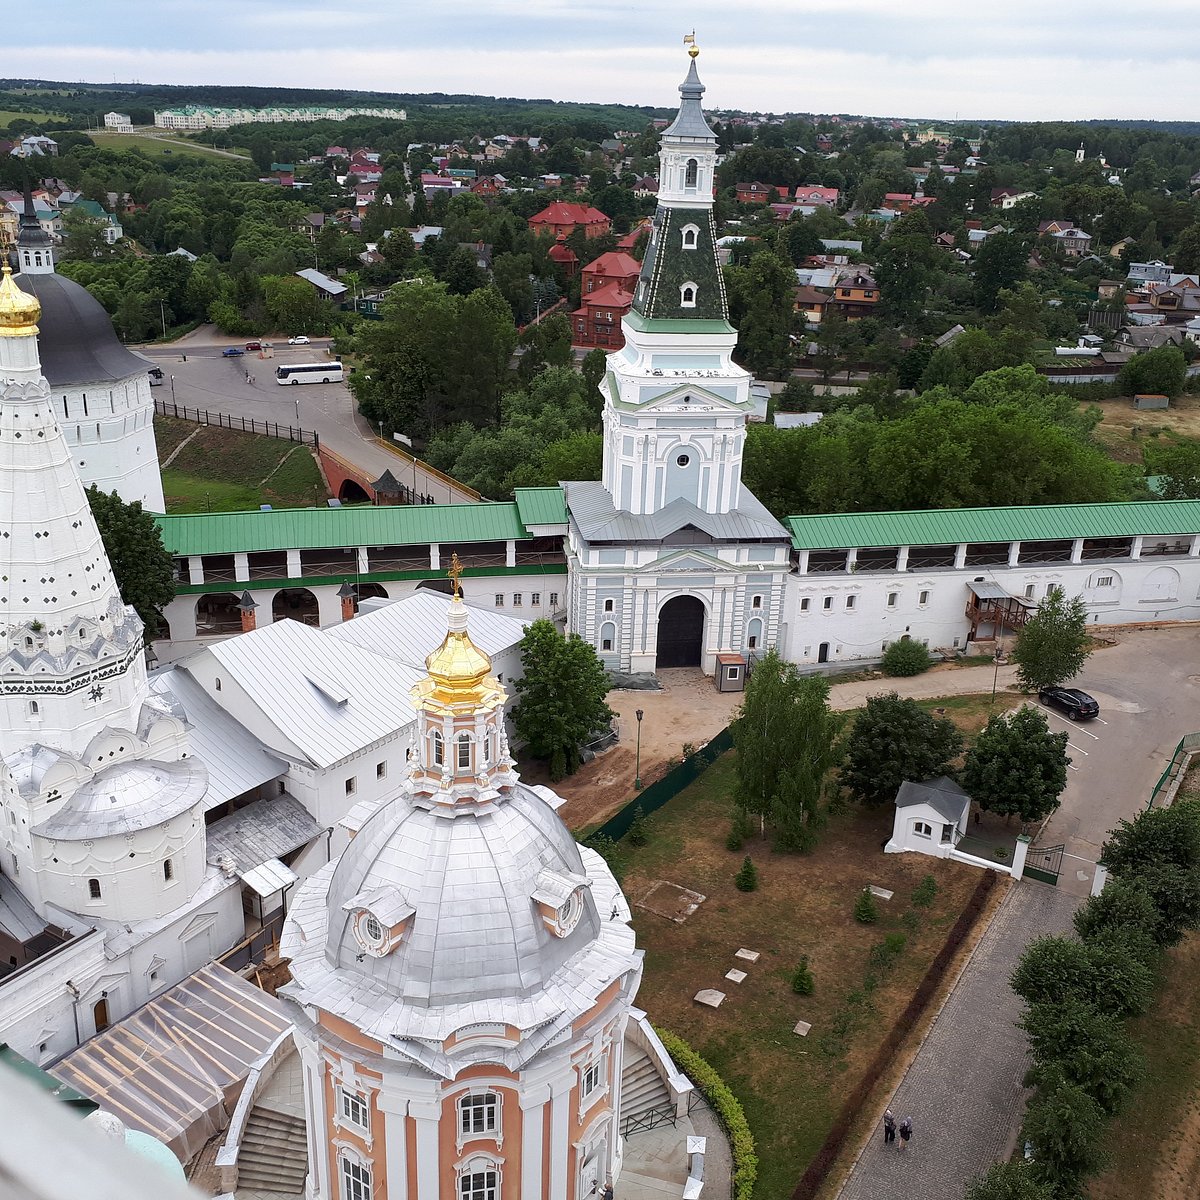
709,997
671,901
881,893
750,956
735,976
802,1028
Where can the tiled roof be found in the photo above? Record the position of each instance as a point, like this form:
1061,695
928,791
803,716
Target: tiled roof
946,527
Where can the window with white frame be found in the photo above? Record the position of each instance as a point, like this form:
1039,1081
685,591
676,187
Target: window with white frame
691,175
553,599
478,1114
593,1077
354,1107
535,598
356,1179
850,601
517,599
690,236
464,752
756,602
922,829
1029,590
608,606
439,749
923,598
827,603
479,1185
687,295
499,599
893,599
804,604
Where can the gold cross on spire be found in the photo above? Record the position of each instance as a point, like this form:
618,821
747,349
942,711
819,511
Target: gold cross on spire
689,40
456,569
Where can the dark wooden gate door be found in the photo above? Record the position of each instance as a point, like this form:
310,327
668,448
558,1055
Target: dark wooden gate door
680,632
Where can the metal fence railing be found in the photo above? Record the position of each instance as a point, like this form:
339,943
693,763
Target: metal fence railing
1187,745
202,416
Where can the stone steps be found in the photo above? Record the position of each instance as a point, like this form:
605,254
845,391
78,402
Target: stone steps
642,1087
274,1153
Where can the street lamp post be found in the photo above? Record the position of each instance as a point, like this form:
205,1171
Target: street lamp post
162,313
172,389
637,770
996,673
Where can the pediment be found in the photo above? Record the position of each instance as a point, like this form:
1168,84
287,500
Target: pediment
691,397
686,560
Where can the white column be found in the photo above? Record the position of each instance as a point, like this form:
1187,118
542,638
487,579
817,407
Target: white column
1135,551
802,564
533,1105
1014,554
1077,550
195,569
317,1184
395,1141
851,559
426,1115
960,556
364,565
902,558
435,556
1099,879
510,553
1019,852
293,564
241,566
1194,552
560,1123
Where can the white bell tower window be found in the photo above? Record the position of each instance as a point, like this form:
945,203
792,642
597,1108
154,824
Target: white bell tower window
691,175
691,234
439,749
464,752
687,295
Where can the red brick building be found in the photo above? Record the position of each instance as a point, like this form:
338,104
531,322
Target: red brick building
759,193
606,295
563,217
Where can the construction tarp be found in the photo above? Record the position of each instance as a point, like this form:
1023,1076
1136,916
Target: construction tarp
175,1067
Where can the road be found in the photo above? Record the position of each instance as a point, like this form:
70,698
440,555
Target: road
209,381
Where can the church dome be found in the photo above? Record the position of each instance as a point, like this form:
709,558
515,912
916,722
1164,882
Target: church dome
76,342
449,905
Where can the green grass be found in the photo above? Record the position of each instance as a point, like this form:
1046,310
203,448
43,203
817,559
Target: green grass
7,116
157,149
221,470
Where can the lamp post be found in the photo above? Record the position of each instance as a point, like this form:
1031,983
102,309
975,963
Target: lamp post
637,770
172,389
996,673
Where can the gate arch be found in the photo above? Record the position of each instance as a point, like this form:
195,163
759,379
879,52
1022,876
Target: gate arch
681,632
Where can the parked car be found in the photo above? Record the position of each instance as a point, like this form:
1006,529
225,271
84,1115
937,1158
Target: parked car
299,340
232,352
254,345
1079,706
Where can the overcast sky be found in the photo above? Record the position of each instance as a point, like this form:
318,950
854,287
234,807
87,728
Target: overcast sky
1012,59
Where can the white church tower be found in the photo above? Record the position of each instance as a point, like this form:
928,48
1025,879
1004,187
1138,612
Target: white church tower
672,561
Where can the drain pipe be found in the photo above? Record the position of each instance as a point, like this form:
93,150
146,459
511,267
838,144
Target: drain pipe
74,1009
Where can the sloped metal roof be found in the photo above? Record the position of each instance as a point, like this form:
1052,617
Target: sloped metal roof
266,829
541,506
599,520
945,527
943,795
333,528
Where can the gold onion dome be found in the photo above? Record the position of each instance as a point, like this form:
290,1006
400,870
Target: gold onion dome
459,672
19,310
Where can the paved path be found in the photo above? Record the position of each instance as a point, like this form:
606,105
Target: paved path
963,1090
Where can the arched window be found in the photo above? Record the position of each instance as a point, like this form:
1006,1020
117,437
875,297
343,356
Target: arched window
690,233
479,1113
94,889
34,709
692,174
608,636
687,295
439,749
168,870
608,606
356,1179
464,752
479,1181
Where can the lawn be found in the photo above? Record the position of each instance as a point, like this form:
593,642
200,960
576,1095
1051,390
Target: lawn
222,470
7,116
170,433
157,147
1154,1145
1124,431
791,1087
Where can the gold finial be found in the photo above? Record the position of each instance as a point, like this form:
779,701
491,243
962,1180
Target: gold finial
19,310
456,569
689,40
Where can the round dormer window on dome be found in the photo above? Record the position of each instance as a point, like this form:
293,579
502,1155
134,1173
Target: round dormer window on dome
370,933
570,912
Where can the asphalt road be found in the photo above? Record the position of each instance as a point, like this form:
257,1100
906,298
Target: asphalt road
207,380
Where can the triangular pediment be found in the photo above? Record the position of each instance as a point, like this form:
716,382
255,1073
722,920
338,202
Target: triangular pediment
686,560
691,397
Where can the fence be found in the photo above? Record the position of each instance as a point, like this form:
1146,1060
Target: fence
201,416
1187,745
652,798
254,948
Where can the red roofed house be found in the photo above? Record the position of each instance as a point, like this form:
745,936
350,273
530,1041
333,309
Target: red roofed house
562,256
562,217
630,240
606,295
759,193
808,193
336,152
488,185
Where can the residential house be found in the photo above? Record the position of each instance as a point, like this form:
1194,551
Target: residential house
759,193
629,241
563,257
336,152
118,122
1149,272
646,187
327,288
1150,337
810,304
550,182
35,146
856,295
1118,248
110,226
606,295
432,184
488,186
1074,242
847,245
785,212
565,217
1010,197
814,194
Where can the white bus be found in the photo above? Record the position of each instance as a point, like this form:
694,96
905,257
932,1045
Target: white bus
326,372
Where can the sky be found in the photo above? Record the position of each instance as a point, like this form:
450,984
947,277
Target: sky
941,59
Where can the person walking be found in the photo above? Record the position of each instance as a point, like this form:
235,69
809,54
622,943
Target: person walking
889,1127
906,1128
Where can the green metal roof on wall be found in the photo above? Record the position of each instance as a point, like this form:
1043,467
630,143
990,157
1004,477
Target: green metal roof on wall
541,506
333,528
943,527
677,325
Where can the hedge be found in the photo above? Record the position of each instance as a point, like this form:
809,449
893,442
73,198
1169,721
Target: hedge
835,1139
725,1104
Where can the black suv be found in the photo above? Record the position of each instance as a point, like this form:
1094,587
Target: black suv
1079,706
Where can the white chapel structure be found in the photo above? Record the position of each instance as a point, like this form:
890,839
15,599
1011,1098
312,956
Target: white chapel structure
671,560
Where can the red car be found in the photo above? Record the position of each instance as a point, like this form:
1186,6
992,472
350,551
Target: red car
254,345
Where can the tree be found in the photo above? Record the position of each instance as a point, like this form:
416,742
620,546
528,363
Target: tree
866,911
83,237
293,305
906,657
1008,1181
1053,644
1064,1124
1017,766
1123,909
893,740
746,879
141,564
802,978
760,307
1158,372
1178,463
787,741
561,695
1108,976
999,264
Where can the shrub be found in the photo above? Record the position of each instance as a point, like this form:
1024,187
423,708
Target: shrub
908,657
747,878
866,911
740,829
609,851
727,1108
884,954
735,840
639,831
925,892
802,980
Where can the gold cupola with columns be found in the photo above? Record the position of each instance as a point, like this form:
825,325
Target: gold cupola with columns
19,311
462,753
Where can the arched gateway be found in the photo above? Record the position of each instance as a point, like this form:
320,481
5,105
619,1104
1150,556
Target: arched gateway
681,632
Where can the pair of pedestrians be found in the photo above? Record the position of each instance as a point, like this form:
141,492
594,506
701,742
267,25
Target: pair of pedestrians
890,1129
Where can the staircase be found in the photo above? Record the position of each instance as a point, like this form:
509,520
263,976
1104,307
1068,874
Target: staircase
645,1098
273,1155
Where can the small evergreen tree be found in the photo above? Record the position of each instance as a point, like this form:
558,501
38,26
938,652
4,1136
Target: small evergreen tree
925,892
747,878
866,911
802,980
639,831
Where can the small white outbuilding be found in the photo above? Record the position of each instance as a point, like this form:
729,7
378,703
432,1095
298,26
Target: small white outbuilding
931,817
